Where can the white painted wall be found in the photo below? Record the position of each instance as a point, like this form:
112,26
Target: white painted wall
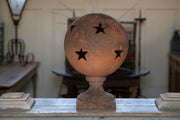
43,27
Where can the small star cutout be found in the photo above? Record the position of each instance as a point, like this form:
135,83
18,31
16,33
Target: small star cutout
118,53
99,29
81,54
72,26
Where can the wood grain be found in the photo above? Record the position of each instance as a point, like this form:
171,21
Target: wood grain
51,107
14,76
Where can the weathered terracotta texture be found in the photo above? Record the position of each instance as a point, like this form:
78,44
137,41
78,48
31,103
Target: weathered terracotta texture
100,47
96,46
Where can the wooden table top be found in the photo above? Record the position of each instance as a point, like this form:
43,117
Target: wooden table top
66,107
10,74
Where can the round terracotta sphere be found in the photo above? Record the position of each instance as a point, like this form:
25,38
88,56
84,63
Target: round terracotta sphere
96,44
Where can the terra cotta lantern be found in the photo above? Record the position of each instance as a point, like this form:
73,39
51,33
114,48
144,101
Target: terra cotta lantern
96,46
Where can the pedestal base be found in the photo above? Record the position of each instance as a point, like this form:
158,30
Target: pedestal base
95,98
96,105
16,101
168,101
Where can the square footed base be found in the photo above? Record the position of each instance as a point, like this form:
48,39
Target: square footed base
168,101
16,101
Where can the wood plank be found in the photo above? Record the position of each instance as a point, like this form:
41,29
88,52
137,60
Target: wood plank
10,74
14,76
53,107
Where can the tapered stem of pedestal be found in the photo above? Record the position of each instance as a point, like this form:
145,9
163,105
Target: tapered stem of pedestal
95,97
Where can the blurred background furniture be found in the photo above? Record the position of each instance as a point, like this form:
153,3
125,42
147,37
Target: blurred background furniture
14,76
121,84
1,42
130,61
16,46
174,73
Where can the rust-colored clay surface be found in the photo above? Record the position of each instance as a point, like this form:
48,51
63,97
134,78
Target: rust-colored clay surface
96,45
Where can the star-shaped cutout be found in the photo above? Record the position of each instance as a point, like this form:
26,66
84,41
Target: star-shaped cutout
118,53
99,29
72,26
81,54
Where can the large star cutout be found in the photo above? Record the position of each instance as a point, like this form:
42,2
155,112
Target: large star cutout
99,29
118,53
81,54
